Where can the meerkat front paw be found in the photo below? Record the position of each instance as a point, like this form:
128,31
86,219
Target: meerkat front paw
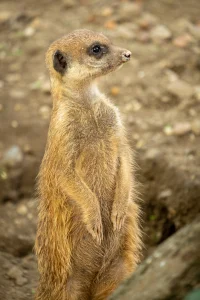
118,216
94,227
96,231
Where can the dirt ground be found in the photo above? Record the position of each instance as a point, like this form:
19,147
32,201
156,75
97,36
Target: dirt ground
158,93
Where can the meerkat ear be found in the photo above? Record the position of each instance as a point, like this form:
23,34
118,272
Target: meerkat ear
59,62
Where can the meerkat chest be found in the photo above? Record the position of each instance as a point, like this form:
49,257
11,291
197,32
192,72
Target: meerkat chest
103,122
100,134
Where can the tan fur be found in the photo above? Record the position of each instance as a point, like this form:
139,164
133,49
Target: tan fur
88,237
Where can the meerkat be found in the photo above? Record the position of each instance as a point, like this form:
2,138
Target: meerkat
88,236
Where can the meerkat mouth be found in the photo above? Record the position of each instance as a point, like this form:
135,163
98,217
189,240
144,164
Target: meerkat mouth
119,67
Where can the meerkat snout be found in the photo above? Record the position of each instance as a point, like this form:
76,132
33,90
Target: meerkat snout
126,55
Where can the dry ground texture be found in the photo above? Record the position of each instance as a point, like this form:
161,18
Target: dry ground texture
158,93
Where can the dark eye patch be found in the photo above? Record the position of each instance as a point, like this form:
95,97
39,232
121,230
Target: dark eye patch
97,50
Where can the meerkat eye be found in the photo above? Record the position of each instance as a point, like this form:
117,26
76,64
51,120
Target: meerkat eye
96,49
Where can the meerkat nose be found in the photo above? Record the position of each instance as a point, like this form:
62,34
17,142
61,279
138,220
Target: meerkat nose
126,55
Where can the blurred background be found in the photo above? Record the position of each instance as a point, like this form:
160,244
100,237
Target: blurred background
158,93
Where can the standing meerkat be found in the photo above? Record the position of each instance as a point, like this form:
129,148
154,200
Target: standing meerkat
88,236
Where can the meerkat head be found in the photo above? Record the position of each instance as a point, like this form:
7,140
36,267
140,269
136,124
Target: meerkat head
84,55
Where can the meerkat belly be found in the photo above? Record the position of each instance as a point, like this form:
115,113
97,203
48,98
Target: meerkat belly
98,164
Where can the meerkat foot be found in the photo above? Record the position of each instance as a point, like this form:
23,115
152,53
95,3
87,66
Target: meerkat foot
118,219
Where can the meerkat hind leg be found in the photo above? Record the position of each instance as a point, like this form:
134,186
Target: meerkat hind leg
125,260
109,280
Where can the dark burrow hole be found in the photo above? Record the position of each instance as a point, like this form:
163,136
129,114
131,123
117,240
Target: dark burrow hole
169,228
158,223
25,251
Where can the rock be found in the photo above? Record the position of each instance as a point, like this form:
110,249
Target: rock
127,11
4,16
183,40
168,130
147,21
17,107
165,194
107,11
160,33
1,84
178,129
136,105
197,93
152,153
192,112
14,124
195,126
13,77
17,274
143,37
171,75
180,89
22,210
20,20
69,3
29,31
45,87
18,277
17,94
110,24
141,74
27,149
18,238
13,157
194,30
170,272
132,106
125,32
181,25
181,128
36,23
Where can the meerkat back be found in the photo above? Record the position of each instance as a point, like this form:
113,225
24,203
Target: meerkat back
88,236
